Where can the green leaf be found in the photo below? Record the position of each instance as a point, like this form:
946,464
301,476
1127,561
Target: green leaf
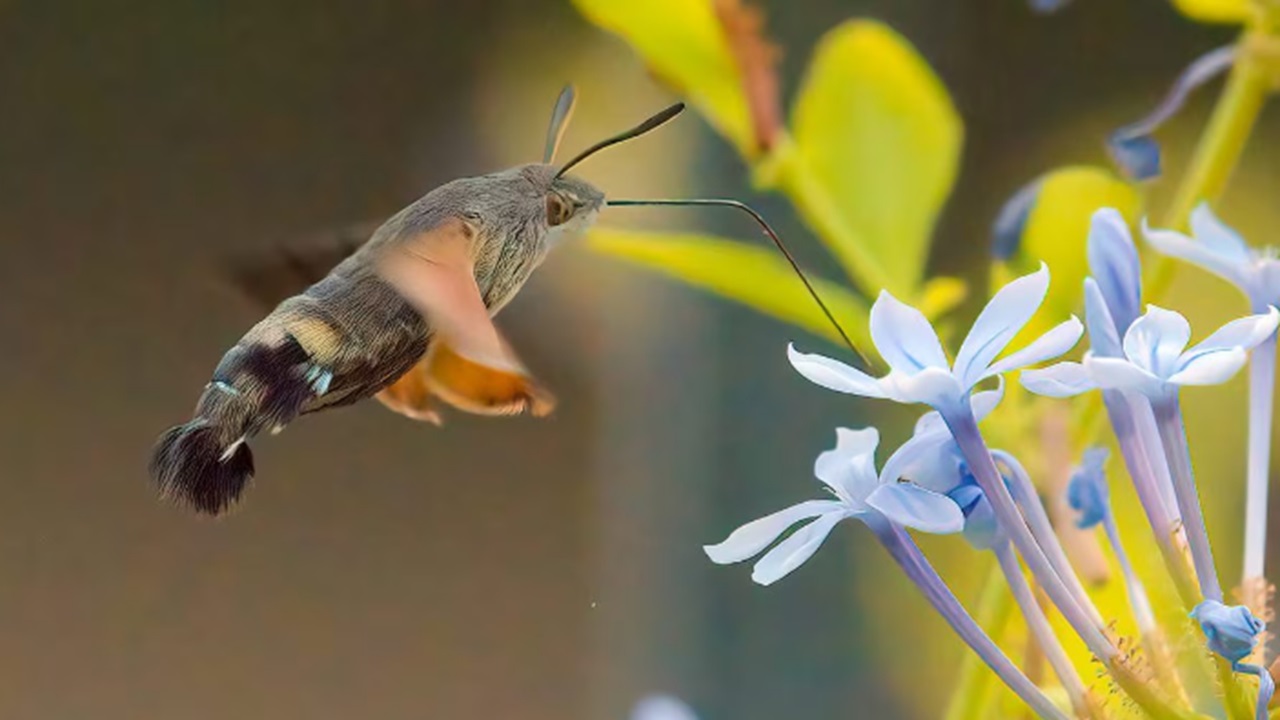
877,144
1057,231
683,43
753,275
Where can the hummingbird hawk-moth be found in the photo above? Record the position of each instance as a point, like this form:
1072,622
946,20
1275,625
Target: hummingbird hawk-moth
404,317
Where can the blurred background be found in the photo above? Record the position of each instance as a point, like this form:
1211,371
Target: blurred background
537,569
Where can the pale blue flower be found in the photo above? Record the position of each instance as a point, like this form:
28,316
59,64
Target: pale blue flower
1138,156
1221,251
1113,301
931,459
919,372
1232,632
1087,491
918,367
1155,364
1089,494
1116,272
662,707
1156,360
849,473
1132,147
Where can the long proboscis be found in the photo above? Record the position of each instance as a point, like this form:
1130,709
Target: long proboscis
659,118
777,242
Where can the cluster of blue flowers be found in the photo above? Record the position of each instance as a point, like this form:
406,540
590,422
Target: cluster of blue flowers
946,479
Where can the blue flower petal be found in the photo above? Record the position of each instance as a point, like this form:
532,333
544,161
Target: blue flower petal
1244,333
1087,491
1212,368
904,337
1137,156
748,540
1231,631
1104,336
833,374
1132,147
662,707
981,528
849,469
1155,341
1004,316
1048,346
1120,374
1218,236
1066,379
933,386
1226,265
915,507
791,553
1114,264
929,459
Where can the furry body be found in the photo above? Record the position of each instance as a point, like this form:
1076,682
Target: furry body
353,333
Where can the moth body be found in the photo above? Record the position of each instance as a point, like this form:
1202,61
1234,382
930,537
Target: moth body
405,318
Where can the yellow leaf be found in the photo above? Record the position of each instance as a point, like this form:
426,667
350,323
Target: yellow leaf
755,276
940,295
683,43
1057,230
1215,11
879,139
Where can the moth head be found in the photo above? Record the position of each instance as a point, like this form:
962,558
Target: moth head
571,203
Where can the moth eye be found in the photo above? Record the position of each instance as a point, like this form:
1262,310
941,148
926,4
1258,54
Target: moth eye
558,211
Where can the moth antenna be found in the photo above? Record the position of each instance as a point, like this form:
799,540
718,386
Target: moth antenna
559,122
778,243
656,120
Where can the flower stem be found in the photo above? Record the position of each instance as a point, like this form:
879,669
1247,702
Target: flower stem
1262,373
964,428
970,699
1174,436
1140,460
1218,152
1024,492
1038,623
913,562
1143,617
1266,687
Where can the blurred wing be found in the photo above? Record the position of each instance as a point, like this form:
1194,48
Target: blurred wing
410,396
468,364
268,278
